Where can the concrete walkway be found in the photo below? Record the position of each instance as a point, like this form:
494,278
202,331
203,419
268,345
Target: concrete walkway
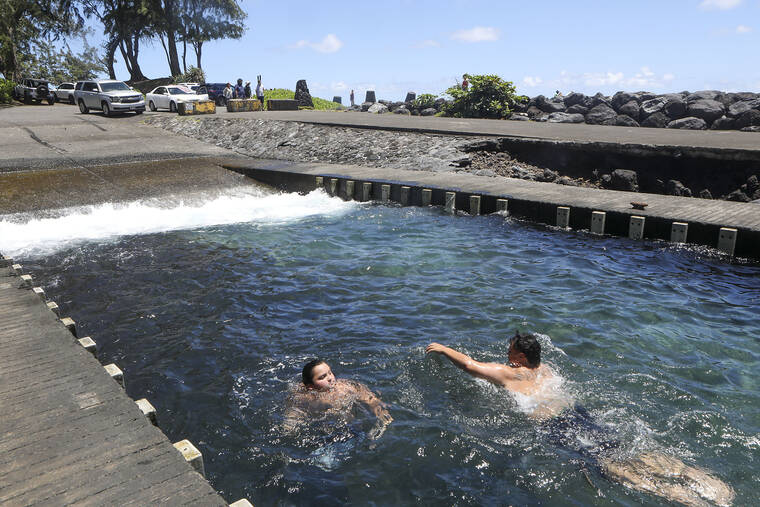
68,432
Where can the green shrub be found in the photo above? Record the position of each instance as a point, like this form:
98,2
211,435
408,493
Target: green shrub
424,101
6,91
488,96
193,75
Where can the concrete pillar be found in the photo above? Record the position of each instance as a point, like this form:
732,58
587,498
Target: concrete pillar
427,196
115,373
191,455
53,307
404,196
502,205
598,218
563,217
370,96
40,292
319,182
474,205
333,186
148,411
385,193
678,232
727,240
451,202
89,345
366,191
26,280
350,190
70,325
636,227
338,99
241,503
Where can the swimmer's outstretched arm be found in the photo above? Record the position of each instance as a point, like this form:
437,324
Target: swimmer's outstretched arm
377,407
496,373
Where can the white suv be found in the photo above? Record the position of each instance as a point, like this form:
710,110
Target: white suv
108,95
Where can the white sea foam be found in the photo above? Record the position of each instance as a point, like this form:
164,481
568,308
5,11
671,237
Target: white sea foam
34,236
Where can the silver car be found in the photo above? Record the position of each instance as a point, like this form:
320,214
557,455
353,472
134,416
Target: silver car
108,95
65,93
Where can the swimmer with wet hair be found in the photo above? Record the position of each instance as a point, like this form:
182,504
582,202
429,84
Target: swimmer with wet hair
322,394
650,472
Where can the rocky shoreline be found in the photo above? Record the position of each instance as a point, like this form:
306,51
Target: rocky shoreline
304,142
707,109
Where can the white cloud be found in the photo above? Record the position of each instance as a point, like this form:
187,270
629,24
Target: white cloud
743,29
477,34
602,79
430,43
330,44
339,86
532,81
645,79
722,5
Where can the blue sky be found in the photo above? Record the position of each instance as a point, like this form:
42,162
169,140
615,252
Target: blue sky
542,46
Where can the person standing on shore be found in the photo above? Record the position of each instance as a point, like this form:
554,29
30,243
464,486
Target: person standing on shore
465,82
227,92
247,90
260,90
239,91
352,98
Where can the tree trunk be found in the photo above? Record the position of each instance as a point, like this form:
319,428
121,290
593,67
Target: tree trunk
127,61
198,46
171,38
111,46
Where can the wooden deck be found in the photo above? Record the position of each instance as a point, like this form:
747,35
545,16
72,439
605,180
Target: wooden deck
69,434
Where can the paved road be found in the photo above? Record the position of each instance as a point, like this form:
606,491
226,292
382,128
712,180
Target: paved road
52,137
716,139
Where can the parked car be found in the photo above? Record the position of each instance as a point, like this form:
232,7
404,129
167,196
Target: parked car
167,97
215,92
108,95
65,92
34,90
192,86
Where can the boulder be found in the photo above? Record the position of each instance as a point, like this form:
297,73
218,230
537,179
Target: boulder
688,123
630,108
597,99
742,96
410,97
519,172
723,123
657,120
549,106
705,194
741,107
401,110
753,185
623,120
377,108
704,95
675,187
675,107
750,118
708,110
438,104
624,179
566,180
565,118
738,195
303,97
574,98
518,117
642,96
548,176
602,114
621,98
577,109
430,111
386,102
754,128
652,106
366,105
534,112
395,105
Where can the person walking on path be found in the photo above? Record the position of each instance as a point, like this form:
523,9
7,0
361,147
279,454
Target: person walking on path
260,91
239,91
227,92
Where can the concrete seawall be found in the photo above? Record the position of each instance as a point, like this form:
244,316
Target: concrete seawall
534,201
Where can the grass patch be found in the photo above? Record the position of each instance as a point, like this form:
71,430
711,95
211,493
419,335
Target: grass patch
319,104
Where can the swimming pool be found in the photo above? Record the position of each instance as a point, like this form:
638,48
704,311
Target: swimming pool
212,310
